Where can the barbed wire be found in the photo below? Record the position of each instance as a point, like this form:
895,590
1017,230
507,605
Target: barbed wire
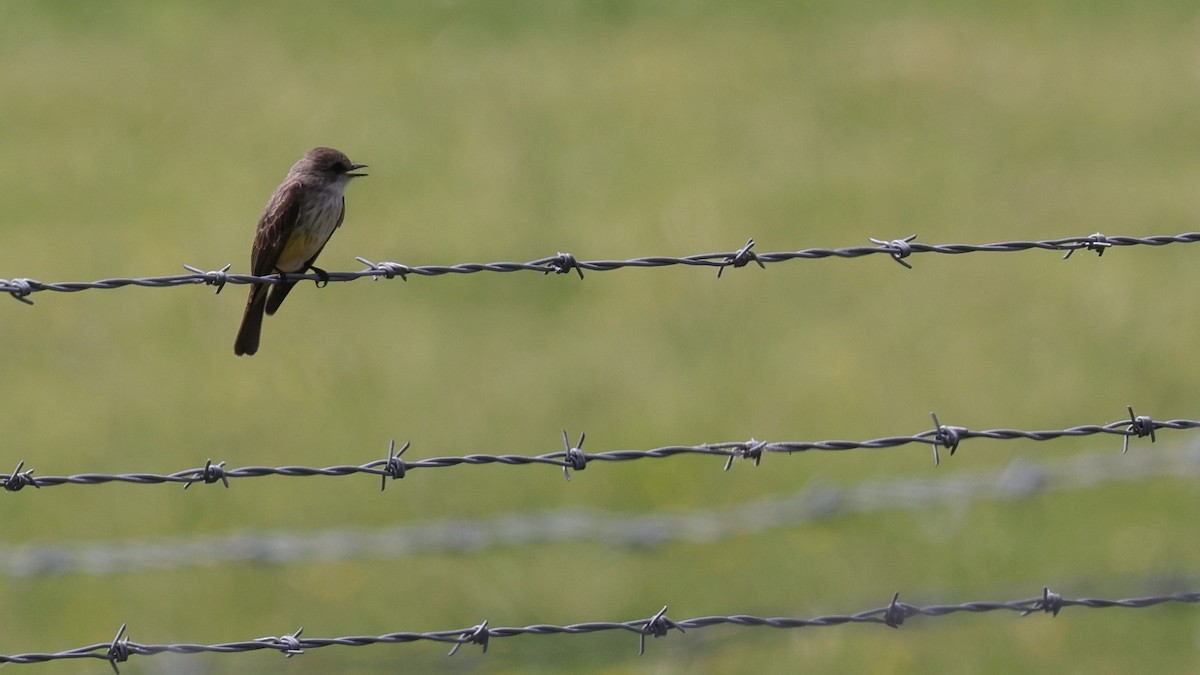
893,615
21,288
818,501
573,456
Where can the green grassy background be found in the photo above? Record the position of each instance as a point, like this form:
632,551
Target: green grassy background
136,138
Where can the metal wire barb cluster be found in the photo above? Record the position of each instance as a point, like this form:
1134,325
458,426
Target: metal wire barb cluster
893,615
21,288
573,456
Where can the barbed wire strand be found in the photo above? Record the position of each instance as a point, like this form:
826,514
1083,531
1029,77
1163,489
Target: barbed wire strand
21,288
893,615
572,457
817,501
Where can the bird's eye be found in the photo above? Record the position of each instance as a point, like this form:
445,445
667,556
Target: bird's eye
338,167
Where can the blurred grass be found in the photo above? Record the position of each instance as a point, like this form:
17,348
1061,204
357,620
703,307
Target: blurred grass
140,138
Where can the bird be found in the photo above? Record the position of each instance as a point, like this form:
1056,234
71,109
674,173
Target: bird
297,222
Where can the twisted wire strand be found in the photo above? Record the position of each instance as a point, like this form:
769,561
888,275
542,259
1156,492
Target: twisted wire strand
817,501
573,456
893,615
21,288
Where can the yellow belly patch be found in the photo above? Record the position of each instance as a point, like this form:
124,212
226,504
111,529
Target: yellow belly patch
299,248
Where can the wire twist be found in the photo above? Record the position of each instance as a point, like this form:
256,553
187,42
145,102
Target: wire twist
900,250
893,615
573,457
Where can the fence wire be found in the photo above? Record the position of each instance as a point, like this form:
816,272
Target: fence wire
894,614
572,457
818,501
21,288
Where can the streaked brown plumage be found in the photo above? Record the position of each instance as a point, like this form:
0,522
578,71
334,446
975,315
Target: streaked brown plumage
296,224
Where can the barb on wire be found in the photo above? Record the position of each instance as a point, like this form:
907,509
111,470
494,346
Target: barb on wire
949,438
894,614
288,645
21,288
118,650
899,249
478,635
393,466
1096,242
1140,426
740,258
573,455
216,278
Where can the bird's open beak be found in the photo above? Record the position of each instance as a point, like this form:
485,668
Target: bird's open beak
353,167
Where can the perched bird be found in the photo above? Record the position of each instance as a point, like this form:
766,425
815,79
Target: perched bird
297,223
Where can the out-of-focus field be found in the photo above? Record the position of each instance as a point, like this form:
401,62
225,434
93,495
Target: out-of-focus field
136,138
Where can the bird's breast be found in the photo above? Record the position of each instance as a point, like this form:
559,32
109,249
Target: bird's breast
318,218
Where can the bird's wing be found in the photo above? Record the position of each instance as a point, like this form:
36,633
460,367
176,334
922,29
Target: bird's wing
275,226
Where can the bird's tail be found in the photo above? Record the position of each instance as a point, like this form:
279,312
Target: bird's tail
248,334
277,294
